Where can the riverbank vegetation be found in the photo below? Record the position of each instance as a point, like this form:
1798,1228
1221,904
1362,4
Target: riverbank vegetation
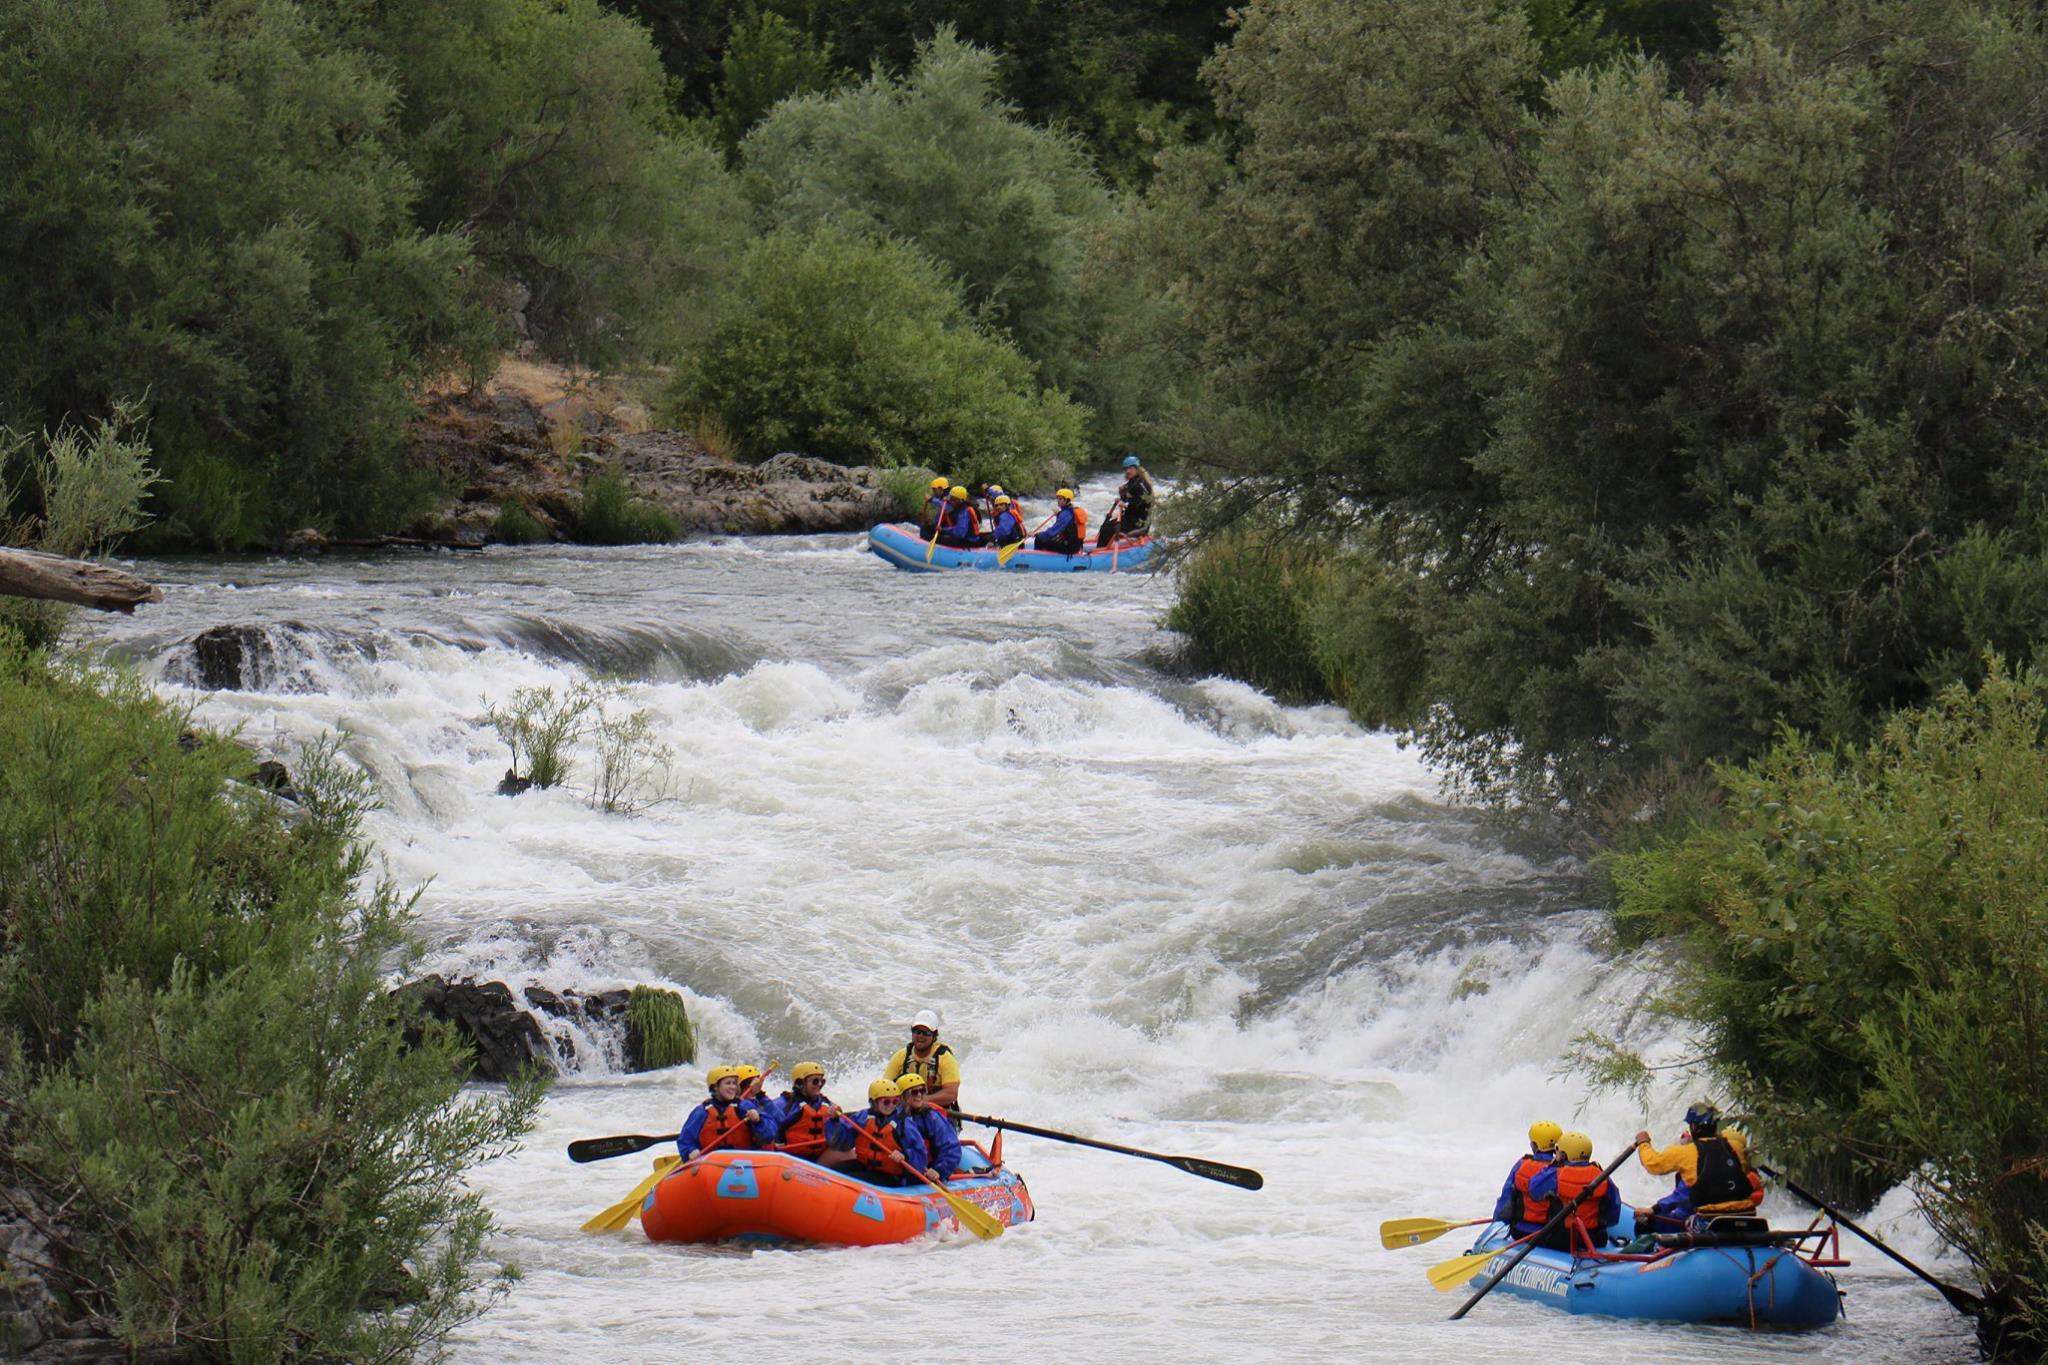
1605,424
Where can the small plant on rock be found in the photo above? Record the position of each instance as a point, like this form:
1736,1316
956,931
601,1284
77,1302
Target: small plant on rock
538,727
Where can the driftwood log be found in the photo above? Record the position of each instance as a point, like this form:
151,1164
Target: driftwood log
30,573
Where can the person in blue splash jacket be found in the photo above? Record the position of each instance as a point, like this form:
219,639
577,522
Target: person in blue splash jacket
724,1120
1516,1207
1573,1173
875,1137
939,1138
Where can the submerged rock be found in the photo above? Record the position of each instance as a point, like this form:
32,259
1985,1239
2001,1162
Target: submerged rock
505,1032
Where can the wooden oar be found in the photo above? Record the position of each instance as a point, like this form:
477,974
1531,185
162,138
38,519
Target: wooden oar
1962,1300
1527,1244
1239,1176
623,1212
1396,1233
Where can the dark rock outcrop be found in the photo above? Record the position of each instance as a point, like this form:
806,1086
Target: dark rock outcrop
504,1037
231,658
531,438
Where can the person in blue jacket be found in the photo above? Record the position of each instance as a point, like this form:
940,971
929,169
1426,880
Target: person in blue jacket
724,1121
1517,1207
934,507
876,1137
940,1140
1063,534
1574,1172
959,524
1009,522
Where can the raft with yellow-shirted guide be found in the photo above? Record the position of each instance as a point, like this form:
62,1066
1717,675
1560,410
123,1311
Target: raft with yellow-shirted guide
776,1198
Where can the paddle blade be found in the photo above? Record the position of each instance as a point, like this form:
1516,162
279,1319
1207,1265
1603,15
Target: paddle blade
1396,1233
600,1148
1216,1170
973,1217
1008,552
1445,1276
620,1214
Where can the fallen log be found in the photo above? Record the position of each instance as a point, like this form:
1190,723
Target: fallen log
31,573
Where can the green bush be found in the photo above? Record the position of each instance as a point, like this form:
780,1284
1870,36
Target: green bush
74,492
1246,604
910,485
612,515
538,727
1862,949
517,526
862,352
658,1030
202,1066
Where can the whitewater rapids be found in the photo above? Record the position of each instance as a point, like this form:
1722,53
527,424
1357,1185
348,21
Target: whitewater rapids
1159,910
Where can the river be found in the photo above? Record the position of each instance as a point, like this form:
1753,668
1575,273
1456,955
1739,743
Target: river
1159,910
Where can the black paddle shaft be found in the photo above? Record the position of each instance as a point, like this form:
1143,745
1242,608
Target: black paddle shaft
1239,1176
1532,1243
601,1148
1962,1300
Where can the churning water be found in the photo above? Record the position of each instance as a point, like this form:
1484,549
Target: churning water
1161,911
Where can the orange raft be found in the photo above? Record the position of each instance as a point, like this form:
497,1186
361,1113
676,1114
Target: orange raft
774,1197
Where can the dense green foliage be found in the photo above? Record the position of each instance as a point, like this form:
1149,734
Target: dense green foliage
1659,415
1863,950
72,492
939,161
861,351
658,1028
203,1067
612,515
269,222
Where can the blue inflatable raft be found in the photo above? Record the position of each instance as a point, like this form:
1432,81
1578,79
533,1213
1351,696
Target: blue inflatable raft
1764,1284
901,546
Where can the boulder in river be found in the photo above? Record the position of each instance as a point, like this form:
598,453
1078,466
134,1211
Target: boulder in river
645,1027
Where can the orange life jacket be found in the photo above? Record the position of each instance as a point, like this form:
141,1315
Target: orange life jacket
725,1129
1524,1209
1081,522
804,1124
876,1148
1572,1178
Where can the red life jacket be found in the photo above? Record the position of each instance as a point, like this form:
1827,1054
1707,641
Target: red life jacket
1523,1209
1573,1177
725,1128
876,1148
804,1125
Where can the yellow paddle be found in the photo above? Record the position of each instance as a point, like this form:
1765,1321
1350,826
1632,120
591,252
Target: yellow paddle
1445,1276
975,1219
1396,1233
624,1212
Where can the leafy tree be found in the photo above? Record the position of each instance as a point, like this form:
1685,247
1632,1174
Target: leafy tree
938,159
766,62
542,131
1862,949
861,351
204,206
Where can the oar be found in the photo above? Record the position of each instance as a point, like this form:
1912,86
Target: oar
1962,1300
1396,1233
1528,1244
621,1213
625,1144
1193,1165
1445,1276
974,1218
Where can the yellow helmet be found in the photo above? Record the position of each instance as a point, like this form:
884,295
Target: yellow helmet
746,1071
1066,493
942,482
804,1070
1002,499
881,1089
959,492
1575,1147
720,1073
1543,1135
913,1081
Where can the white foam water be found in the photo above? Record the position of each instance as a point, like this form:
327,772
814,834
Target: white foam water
1159,910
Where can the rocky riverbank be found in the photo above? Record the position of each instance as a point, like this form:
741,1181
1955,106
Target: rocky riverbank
534,436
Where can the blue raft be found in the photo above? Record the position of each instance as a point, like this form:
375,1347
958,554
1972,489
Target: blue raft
1752,1286
901,546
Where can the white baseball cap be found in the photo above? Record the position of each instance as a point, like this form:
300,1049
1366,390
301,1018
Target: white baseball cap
926,1019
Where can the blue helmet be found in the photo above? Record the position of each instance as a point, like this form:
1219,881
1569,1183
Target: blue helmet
1702,1117
1130,462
